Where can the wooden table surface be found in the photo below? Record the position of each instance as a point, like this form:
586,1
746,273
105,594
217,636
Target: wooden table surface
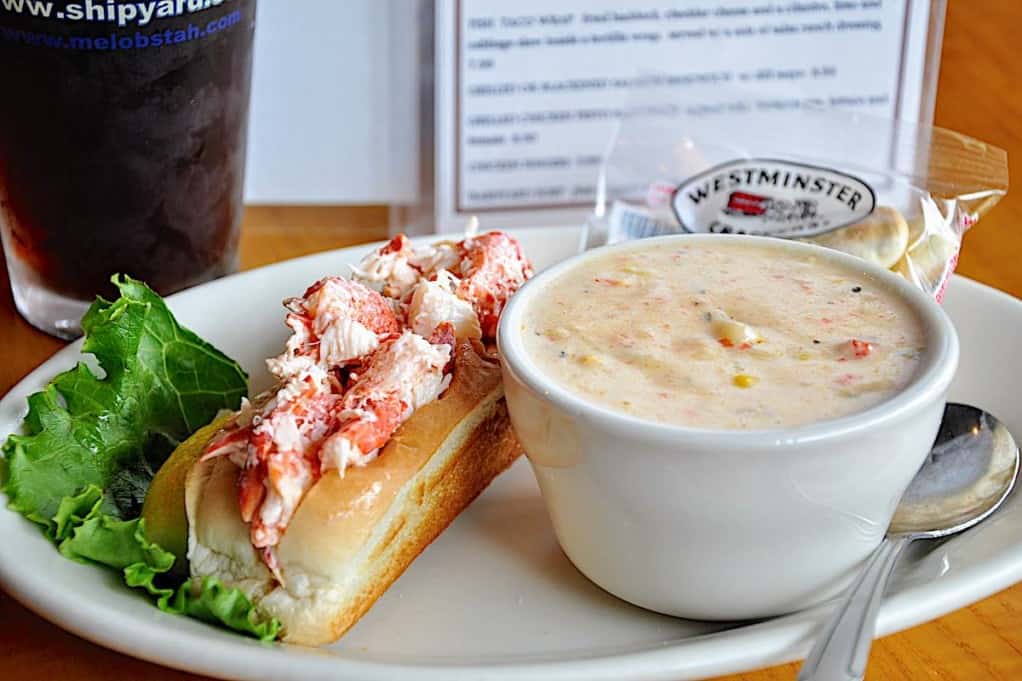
979,95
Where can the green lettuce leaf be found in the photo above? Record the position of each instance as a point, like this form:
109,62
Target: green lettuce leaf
161,383
97,537
102,538
93,439
208,600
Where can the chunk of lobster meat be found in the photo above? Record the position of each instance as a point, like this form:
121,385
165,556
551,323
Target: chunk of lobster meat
389,270
432,258
232,439
275,448
396,268
402,376
363,431
492,269
283,449
251,490
435,302
336,322
288,477
445,334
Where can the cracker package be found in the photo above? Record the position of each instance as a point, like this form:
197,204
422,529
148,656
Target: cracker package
896,194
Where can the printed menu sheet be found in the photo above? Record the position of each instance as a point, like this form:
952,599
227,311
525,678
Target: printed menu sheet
529,92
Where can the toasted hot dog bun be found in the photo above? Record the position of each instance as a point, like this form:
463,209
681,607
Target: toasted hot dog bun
352,536
164,508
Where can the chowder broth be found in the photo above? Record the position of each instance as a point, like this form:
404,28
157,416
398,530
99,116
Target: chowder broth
723,335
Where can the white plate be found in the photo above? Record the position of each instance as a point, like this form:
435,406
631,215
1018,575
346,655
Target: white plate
494,597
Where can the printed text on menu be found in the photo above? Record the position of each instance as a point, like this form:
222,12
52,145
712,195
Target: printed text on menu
539,84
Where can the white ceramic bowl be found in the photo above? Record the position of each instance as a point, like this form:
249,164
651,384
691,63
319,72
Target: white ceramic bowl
723,524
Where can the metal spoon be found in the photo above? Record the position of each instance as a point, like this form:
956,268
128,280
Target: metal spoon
969,473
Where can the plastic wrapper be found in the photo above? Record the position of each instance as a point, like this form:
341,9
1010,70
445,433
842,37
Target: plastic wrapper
897,194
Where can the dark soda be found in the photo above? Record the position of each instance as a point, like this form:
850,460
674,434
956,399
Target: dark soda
122,141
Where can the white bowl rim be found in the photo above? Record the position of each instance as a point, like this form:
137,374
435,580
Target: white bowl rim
931,380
